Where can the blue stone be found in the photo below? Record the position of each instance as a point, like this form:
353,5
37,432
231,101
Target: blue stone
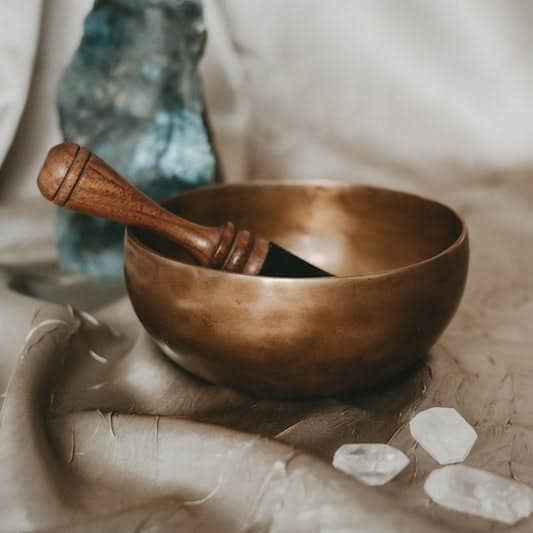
132,94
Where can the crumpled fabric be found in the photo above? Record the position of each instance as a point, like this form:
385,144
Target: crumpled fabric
100,431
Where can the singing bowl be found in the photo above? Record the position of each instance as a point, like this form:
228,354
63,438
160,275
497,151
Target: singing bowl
401,263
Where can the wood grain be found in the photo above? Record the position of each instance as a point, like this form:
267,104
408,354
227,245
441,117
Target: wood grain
75,178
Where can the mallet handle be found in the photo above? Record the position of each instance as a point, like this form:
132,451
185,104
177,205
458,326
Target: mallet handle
75,178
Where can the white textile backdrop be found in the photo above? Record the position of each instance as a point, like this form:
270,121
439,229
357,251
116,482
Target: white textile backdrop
375,90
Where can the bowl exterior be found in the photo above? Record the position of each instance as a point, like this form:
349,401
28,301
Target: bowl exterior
283,338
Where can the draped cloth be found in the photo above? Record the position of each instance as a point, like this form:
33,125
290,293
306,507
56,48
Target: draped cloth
101,432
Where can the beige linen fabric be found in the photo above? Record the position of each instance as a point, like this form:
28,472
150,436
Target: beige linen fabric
101,432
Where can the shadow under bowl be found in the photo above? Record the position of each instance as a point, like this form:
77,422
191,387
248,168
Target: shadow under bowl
401,262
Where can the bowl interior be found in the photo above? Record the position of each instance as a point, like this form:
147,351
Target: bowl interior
345,229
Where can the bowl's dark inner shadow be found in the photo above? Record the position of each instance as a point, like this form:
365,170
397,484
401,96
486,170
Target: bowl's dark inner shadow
346,231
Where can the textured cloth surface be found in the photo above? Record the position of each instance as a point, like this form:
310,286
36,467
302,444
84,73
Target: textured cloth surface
101,432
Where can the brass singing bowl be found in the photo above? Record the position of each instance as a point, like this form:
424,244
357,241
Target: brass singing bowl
401,262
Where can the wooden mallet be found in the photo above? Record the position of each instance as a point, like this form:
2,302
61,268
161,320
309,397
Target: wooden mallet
75,178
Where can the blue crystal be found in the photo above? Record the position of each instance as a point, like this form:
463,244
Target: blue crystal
132,94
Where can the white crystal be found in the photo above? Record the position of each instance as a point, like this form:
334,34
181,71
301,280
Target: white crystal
444,434
473,491
372,464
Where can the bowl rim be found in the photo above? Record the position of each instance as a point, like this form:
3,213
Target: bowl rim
130,237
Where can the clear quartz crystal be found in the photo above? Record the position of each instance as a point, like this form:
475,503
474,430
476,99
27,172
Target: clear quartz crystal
480,493
444,434
372,464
